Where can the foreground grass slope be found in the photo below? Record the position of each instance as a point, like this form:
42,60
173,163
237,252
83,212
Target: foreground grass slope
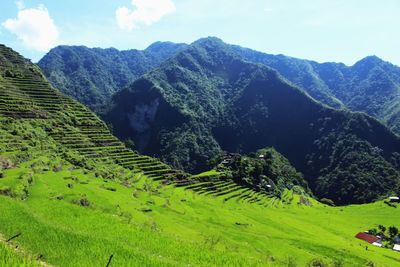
9,257
151,225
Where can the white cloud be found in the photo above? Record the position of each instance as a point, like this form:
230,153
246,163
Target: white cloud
20,4
34,27
145,12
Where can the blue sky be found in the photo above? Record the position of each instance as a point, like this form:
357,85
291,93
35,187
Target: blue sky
321,30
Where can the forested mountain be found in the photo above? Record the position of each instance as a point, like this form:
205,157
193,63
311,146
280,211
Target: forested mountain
92,75
371,85
207,98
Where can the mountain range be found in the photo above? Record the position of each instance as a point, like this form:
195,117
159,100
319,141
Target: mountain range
371,85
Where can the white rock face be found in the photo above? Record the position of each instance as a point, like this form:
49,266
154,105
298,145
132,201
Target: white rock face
143,115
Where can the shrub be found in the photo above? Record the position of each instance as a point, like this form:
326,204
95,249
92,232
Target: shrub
5,190
83,201
317,263
327,201
390,204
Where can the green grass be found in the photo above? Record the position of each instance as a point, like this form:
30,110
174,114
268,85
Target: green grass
207,173
152,225
9,257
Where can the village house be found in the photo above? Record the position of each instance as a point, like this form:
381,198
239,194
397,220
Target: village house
394,199
374,240
229,158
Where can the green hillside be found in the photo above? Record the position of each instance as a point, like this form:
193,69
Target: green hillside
146,224
92,75
207,99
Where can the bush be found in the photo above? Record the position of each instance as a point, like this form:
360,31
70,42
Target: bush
84,202
5,190
390,204
317,263
327,201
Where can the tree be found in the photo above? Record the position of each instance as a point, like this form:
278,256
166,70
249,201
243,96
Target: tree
129,143
382,229
393,232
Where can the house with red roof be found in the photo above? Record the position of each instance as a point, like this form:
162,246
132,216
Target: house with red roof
369,238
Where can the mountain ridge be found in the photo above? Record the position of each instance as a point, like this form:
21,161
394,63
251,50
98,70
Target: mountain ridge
92,75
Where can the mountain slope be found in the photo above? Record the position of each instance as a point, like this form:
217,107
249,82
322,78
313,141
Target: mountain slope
207,99
92,75
37,117
371,85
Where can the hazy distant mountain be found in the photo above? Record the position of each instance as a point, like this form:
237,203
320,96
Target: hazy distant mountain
207,98
92,75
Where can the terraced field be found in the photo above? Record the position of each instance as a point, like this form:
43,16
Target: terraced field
27,96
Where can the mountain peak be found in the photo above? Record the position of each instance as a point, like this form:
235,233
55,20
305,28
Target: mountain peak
211,40
369,61
159,46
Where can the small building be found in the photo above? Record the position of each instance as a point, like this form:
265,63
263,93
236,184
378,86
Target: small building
225,161
378,244
261,156
368,238
394,199
396,247
229,159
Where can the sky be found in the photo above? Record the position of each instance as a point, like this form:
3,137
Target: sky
321,30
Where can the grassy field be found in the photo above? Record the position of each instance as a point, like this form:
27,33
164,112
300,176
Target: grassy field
10,257
73,219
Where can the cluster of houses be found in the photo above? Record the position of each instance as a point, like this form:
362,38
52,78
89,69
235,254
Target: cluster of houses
229,158
377,240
